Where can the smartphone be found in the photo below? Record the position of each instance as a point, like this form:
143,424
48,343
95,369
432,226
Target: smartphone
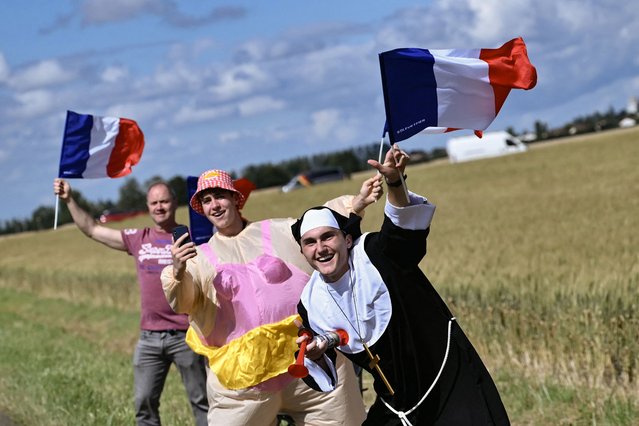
180,230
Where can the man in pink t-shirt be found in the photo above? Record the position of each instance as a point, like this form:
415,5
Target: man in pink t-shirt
162,335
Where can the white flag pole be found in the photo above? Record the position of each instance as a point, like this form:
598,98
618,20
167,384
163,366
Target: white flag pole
401,177
381,151
55,220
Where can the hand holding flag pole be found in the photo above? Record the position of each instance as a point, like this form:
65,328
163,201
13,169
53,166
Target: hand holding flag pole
401,172
97,147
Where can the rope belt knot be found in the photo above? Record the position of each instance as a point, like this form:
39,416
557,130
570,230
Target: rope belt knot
403,415
404,419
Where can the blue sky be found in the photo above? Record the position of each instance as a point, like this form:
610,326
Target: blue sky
225,85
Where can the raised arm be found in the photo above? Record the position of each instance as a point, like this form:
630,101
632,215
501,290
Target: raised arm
370,192
102,234
392,169
179,287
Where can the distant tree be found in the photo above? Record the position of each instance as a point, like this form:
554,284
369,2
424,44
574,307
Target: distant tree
419,156
438,153
266,175
42,218
367,152
132,197
100,206
178,185
150,181
541,130
347,160
296,166
94,209
14,226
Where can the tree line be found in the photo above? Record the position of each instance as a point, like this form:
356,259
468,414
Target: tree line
132,194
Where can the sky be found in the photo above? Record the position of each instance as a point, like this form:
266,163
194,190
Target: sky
227,85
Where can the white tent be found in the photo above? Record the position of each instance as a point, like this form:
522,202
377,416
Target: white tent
492,144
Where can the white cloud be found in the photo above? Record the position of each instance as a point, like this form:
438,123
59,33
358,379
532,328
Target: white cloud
335,63
114,74
101,12
193,50
227,138
306,87
5,71
34,103
178,76
324,121
45,73
240,81
259,104
174,142
97,11
140,111
191,114
252,50
332,125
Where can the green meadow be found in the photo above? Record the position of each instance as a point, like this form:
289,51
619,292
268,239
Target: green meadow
537,254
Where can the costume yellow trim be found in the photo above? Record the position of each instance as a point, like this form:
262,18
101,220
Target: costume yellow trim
261,354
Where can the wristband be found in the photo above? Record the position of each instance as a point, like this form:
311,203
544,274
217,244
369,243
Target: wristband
395,184
331,339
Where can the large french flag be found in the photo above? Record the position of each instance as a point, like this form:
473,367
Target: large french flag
98,147
450,89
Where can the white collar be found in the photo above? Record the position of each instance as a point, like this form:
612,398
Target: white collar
359,295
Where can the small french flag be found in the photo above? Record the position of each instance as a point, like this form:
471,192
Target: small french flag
98,147
443,90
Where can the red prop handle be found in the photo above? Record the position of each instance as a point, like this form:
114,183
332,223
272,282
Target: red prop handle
298,369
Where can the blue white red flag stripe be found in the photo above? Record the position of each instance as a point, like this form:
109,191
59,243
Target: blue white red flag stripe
450,89
97,147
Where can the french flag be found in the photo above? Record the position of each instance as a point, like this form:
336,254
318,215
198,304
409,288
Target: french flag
450,89
98,147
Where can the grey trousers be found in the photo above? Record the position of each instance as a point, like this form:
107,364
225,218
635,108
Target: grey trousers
154,353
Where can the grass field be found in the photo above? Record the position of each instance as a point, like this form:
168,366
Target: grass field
536,254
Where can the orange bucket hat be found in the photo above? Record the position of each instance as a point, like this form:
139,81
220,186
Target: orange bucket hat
218,179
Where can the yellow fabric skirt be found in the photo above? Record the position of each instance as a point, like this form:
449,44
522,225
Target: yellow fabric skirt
261,354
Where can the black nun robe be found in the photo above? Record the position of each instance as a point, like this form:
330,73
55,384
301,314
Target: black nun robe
387,301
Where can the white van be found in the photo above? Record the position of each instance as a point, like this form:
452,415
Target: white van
492,144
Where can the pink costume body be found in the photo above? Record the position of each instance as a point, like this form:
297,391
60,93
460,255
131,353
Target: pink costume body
263,291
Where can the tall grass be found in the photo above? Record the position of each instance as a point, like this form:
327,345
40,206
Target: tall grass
535,253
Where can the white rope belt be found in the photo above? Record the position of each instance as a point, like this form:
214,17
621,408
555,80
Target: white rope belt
403,415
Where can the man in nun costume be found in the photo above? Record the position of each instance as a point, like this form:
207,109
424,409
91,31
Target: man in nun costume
425,370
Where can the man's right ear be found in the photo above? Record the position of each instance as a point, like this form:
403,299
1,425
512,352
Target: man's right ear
349,241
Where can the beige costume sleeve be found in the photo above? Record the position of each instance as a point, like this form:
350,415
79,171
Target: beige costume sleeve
190,294
343,205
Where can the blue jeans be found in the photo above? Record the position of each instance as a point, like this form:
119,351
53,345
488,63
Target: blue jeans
154,353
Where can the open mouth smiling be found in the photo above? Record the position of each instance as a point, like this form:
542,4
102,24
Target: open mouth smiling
325,258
